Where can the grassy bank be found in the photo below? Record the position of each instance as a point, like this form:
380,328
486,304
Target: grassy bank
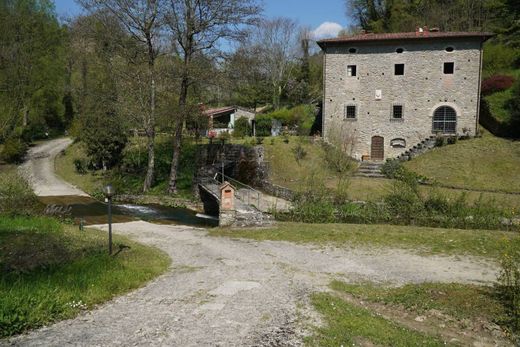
417,239
51,271
478,164
428,314
128,177
489,163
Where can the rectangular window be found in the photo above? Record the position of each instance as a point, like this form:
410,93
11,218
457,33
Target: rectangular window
351,70
397,111
350,112
399,69
449,68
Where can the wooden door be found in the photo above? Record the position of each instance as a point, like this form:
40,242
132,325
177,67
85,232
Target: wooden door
377,148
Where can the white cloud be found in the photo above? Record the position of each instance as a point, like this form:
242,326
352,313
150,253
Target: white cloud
327,30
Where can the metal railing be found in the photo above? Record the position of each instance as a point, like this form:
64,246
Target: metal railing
249,195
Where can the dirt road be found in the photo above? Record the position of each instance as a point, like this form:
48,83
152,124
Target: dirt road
227,292
39,169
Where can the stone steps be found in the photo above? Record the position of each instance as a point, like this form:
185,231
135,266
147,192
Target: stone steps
420,148
370,169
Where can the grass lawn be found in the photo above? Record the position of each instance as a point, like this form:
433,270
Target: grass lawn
286,171
50,271
497,104
64,165
367,314
350,325
418,239
488,163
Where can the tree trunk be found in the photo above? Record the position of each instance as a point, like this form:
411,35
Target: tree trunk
150,128
25,119
177,138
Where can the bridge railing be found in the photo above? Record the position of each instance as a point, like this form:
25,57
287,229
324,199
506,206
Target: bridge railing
248,194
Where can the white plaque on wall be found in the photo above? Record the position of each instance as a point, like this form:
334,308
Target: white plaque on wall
379,94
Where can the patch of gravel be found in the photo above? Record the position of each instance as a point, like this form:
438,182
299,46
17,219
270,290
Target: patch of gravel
229,292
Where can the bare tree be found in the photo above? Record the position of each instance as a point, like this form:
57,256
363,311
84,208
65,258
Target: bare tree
197,27
275,42
140,19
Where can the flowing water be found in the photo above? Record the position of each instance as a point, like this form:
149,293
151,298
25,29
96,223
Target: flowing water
92,211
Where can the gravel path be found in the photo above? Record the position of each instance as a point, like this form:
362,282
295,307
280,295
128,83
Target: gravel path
39,169
234,292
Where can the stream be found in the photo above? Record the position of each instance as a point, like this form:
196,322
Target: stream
92,211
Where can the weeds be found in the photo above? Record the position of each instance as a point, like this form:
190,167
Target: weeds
403,205
508,285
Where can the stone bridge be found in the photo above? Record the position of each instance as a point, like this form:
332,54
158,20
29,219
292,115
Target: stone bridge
251,207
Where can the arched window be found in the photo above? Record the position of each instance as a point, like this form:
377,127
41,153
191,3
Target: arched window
445,120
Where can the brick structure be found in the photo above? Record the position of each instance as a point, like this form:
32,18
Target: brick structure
385,93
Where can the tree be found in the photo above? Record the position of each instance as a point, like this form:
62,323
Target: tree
31,66
140,19
275,42
406,15
197,27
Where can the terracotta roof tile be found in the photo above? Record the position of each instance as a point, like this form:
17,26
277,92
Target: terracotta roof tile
403,36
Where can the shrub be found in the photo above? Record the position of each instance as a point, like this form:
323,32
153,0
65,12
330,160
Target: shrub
499,58
16,196
496,84
242,127
263,124
224,136
259,140
509,282
337,159
80,165
104,136
14,150
299,153
392,169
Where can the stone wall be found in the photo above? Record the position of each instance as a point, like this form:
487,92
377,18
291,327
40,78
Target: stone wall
421,90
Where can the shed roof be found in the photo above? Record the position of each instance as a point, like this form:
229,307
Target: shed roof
415,35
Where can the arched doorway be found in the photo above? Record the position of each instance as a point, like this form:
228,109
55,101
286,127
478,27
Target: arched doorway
445,120
377,148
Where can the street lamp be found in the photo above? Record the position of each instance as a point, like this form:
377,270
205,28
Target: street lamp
109,192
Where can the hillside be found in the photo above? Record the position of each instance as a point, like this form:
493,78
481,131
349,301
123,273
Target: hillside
487,167
486,163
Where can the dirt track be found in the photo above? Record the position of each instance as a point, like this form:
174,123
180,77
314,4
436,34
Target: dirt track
39,169
225,292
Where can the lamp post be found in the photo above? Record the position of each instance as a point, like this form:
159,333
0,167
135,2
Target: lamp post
109,192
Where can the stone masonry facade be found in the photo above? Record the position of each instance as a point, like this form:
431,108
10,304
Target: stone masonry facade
374,89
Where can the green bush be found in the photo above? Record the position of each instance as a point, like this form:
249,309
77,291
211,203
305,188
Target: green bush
14,150
509,282
404,205
80,165
392,168
300,118
16,195
105,138
299,153
242,127
499,58
263,124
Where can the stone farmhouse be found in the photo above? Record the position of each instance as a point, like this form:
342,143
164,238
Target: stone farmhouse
385,93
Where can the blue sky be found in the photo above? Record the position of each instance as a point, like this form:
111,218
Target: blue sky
326,17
